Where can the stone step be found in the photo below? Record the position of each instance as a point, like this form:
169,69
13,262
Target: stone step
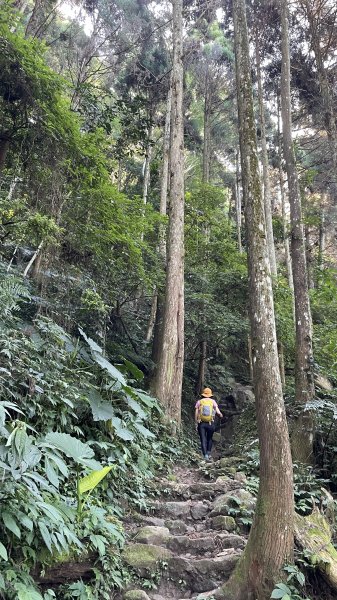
205,543
200,490
202,575
188,510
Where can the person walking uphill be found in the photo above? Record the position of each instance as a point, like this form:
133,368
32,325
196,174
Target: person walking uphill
205,410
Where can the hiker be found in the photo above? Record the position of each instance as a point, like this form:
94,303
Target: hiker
205,410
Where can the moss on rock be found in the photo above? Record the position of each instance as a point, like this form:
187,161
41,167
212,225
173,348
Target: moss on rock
145,558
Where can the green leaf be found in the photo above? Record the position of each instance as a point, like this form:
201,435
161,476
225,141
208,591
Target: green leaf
121,431
74,448
101,409
143,430
107,366
136,407
25,592
45,535
11,524
132,368
89,482
95,347
51,473
3,552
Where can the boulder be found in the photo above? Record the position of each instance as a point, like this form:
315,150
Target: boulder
152,535
225,502
313,534
145,558
199,510
136,595
223,522
174,510
176,526
240,476
181,544
204,574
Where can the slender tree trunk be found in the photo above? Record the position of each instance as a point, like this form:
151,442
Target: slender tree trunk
170,365
326,93
146,176
207,129
265,165
302,435
322,238
281,363
158,298
202,367
308,256
4,146
270,543
238,207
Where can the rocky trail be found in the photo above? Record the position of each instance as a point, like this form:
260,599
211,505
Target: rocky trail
188,543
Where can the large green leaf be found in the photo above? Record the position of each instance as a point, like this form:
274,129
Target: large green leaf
73,448
136,407
11,523
95,347
143,430
133,369
100,408
89,482
3,552
121,431
107,366
25,592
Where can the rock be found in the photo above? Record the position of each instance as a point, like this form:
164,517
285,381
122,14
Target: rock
144,558
203,574
223,522
224,503
313,534
240,476
176,527
231,540
175,510
155,521
203,490
182,544
136,595
229,461
152,535
199,511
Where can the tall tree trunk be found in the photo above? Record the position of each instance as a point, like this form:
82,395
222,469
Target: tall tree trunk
168,385
302,435
270,543
322,238
158,298
238,207
265,164
207,129
146,175
202,367
326,93
4,146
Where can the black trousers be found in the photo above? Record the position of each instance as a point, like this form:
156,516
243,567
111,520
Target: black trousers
206,431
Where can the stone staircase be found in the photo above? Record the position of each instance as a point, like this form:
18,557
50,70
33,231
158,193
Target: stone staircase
187,544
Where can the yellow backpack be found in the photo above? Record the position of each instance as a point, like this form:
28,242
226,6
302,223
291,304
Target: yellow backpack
206,410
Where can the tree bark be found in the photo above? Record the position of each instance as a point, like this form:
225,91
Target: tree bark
4,146
270,543
238,207
326,93
168,384
265,165
207,129
202,367
302,434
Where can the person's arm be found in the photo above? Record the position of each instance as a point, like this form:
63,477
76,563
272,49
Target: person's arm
218,412
196,414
